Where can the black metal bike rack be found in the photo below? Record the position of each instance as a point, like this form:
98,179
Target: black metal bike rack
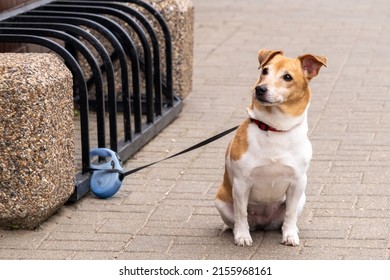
147,105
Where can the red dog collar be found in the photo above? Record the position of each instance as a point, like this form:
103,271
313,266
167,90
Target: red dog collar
265,127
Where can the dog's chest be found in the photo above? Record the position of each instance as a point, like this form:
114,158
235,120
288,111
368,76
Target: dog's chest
275,163
270,182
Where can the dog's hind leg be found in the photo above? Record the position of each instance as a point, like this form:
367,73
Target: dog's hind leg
224,201
226,211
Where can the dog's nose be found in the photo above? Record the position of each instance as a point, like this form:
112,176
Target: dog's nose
261,90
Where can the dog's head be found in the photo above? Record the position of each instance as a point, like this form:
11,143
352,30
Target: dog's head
284,82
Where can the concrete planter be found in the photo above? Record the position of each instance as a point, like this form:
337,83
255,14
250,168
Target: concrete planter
36,138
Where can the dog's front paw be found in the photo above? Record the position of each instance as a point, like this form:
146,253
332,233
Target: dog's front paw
290,237
243,239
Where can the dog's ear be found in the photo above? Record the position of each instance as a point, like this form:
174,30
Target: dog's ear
311,64
265,55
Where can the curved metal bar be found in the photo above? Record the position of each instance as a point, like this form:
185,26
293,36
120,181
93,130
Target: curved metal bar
77,6
168,43
67,39
79,85
77,31
156,51
153,38
131,51
118,51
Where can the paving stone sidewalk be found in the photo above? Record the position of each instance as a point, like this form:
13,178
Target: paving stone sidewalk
167,211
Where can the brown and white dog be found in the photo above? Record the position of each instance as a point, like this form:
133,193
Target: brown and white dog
267,160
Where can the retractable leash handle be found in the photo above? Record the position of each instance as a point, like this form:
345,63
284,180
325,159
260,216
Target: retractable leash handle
103,183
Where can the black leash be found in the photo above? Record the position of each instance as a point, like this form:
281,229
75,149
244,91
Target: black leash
122,174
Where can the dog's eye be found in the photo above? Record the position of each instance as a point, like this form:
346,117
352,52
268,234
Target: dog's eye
265,71
287,78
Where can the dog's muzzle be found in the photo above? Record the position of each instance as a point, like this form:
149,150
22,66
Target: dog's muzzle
261,93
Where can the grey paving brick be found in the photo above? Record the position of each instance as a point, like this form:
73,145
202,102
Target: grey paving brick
94,255
356,189
210,211
129,225
172,213
147,184
72,236
25,240
168,173
77,228
222,239
153,244
326,234
345,243
163,224
330,205
122,208
87,245
160,256
314,188
191,186
142,198
373,202
359,213
21,254
381,232
332,253
171,231
203,221
382,155
189,199
330,222
379,176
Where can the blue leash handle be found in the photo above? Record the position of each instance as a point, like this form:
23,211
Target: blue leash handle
105,184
